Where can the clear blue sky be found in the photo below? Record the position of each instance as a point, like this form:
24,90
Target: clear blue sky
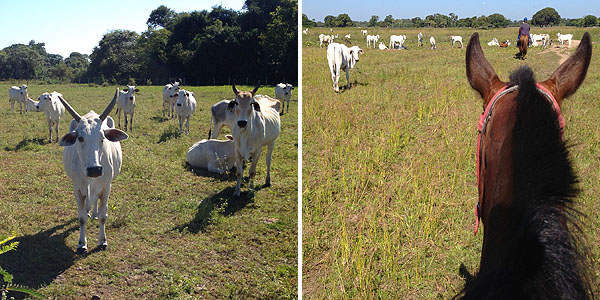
362,10
77,26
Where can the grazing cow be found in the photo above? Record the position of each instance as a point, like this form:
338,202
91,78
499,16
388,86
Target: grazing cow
546,41
564,37
185,107
218,156
324,38
341,58
17,94
364,32
92,159
221,115
432,42
372,40
347,36
397,39
31,105
305,31
51,106
456,39
382,46
283,92
535,38
170,92
420,39
126,104
256,126
493,42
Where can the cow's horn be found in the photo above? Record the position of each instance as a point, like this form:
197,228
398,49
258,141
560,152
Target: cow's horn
70,109
235,90
110,106
256,88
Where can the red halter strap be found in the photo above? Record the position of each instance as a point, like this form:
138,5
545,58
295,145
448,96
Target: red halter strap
485,117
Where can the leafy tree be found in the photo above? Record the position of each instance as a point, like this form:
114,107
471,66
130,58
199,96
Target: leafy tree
589,21
343,20
388,21
497,20
545,17
116,56
373,21
307,23
330,21
417,22
466,22
160,17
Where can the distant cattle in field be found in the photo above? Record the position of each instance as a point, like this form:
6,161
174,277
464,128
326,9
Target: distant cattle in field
170,93
184,108
283,92
494,42
382,46
325,39
53,108
432,43
505,44
456,39
305,31
364,32
397,41
126,105
218,156
347,36
420,39
17,94
372,40
341,58
564,37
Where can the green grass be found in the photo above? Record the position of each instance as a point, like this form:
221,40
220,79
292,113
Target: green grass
173,232
389,186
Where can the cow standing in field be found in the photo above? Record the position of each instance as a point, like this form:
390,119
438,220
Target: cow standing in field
364,32
218,156
372,40
420,40
256,126
221,115
432,43
564,37
53,108
325,39
535,38
92,159
456,39
283,92
17,94
31,105
341,58
126,104
185,107
170,93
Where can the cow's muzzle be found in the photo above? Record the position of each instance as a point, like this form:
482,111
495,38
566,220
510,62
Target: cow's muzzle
178,104
37,107
94,171
130,98
242,123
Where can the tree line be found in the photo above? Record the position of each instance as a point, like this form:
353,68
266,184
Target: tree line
544,17
201,47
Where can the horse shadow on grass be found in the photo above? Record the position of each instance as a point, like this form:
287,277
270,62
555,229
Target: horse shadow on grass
223,203
26,144
40,258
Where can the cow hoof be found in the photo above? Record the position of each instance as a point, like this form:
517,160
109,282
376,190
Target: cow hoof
102,247
281,114
81,250
267,184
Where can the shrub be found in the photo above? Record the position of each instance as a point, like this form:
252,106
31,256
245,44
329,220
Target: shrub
6,278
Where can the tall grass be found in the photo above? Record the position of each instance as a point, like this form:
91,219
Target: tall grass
389,185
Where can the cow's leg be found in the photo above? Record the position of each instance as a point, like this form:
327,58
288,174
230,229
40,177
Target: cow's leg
102,217
252,170
131,121
12,105
348,76
164,107
333,78
56,129
49,131
20,107
187,125
82,213
119,117
180,123
269,155
288,106
215,168
239,166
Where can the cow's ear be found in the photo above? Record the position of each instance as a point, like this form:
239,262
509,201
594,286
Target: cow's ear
231,104
136,90
115,135
256,106
68,139
125,90
229,137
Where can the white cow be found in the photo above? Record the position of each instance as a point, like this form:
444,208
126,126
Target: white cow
341,58
535,38
92,159
494,42
170,93
347,36
397,39
324,38
546,40
432,43
17,94
31,105
126,104
184,108
364,32
564,37
305,31
456,39
218,156
372,40
283,92
51,106
221,115
382,46
420,39
256,126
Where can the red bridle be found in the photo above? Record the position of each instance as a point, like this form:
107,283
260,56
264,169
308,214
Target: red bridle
485,117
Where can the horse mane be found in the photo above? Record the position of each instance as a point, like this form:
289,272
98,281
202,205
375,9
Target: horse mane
542,258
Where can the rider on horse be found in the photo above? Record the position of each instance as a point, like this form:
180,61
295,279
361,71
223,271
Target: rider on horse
524,29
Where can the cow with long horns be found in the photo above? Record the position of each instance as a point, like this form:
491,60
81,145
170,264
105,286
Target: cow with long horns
256,125
92,158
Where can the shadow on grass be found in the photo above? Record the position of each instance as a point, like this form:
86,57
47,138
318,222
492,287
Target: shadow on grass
40,258
467,276
223,203
169,133
352,85
160,119
27,144
203,172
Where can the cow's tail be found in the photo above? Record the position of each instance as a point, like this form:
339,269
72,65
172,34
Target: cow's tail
211,125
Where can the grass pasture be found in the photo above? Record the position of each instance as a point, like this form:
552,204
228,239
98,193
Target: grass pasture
173,231
389,182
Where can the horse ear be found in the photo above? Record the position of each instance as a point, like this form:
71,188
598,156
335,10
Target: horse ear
480,73
569,75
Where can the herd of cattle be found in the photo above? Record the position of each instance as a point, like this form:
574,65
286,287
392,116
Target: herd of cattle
92,155
343,58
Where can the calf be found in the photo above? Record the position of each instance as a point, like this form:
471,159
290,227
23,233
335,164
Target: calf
17,94
170,93
324,38
256,126
221,115
283,92
397,39
372,40
341,58
126,104
92,159
420,39
217,156
432,42
493,42
50,104
364,32
382,46
456,39
564,37
31,105
185,107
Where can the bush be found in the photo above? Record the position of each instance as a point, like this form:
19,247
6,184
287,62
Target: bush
6,278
